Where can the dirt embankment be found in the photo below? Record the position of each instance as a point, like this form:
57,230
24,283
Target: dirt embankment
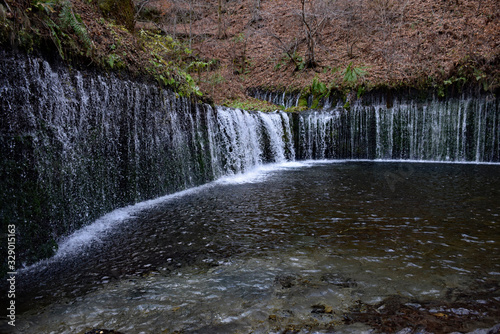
228,46
421,43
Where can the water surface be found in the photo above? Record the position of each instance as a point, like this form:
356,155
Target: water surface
308,246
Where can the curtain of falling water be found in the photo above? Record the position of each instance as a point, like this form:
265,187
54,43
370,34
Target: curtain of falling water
77,144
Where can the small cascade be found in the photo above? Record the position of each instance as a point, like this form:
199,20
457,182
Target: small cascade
280,98
241,140
336,134
458,129
314,129
289,99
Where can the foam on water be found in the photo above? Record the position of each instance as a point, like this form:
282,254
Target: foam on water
262,172
81,239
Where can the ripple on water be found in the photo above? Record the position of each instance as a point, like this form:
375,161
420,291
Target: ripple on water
259,254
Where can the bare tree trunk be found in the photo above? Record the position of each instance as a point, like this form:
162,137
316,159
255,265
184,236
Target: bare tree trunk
190,22
310,33
310,44
256,12
219,19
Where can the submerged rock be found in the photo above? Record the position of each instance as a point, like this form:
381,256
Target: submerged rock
286,281
399,314
320,308
338,280
103,331
493,330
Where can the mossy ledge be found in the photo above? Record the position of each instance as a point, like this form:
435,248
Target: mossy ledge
90,34
296,100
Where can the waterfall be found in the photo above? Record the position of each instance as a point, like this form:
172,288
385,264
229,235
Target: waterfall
241,140
77,144
457,129
281,98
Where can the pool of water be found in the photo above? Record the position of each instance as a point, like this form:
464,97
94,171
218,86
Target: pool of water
305,247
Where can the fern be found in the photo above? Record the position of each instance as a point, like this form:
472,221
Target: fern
54,35
67,21
70,20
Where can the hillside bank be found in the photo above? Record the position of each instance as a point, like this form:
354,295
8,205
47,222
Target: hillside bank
222,49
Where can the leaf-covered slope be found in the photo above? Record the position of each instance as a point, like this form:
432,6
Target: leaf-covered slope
228,46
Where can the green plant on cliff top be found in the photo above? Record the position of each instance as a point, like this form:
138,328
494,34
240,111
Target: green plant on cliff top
55,34
71,20
169,62
318,88
197,66
115,61
353,73
62,25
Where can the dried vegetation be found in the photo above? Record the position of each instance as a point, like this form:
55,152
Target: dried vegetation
228,46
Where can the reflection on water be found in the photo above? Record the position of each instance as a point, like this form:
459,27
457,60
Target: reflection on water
298,247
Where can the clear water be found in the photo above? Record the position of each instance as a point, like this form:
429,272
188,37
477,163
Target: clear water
258,252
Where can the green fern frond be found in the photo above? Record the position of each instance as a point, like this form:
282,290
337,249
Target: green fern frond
70,20
54,34
46,6
353,73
